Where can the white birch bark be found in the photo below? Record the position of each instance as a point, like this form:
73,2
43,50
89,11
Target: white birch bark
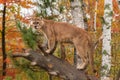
95,16
106,47
77,13
119,3
78,20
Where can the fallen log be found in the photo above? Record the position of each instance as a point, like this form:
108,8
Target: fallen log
53,65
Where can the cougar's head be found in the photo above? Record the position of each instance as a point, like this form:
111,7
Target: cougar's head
37,23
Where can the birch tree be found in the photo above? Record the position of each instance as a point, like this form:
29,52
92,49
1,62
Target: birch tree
106,46
119,3
78,20
95,16
77,13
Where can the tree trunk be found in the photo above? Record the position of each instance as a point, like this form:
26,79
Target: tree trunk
78,20
118,76
77,13
106,46
95,16
119,3
3,41
54,66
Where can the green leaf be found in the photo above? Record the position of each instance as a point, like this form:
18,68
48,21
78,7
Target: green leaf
28,35
107,6
105,52
102,20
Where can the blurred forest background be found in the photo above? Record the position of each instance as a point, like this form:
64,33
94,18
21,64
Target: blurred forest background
57,10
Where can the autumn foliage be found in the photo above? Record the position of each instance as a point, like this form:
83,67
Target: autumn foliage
15,43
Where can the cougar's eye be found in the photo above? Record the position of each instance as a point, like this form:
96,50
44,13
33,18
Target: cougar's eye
33,23
37,22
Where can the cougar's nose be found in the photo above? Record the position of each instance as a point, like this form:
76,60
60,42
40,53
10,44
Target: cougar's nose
35,27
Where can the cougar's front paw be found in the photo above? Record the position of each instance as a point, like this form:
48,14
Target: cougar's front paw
81,66
48,51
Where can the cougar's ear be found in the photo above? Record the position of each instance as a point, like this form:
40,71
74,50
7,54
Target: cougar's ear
41,18
33,19
42,22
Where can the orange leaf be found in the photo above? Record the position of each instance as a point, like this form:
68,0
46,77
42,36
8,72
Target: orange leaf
1,77
7,60
11,72
4,1
1,1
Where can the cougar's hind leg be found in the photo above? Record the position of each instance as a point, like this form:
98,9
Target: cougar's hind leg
83,56
62,48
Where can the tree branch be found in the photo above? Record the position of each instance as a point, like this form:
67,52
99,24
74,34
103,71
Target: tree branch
53,65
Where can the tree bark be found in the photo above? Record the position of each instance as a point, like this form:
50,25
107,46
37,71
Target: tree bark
106,46
118,76
54,66
78,19
95,15
3,41
118,3
77,12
